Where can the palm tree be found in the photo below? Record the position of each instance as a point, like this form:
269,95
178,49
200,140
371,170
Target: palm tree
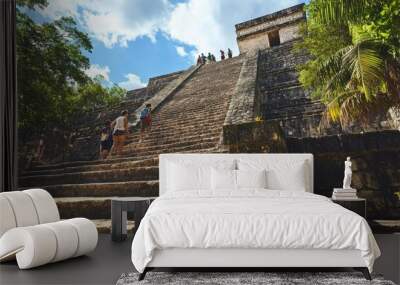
362,79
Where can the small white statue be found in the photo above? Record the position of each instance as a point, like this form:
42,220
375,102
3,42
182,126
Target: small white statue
347,174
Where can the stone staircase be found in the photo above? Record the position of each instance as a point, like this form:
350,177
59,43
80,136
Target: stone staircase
189,120
282,97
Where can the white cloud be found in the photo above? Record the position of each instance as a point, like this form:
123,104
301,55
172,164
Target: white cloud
61,8
114,22
181,51
96,70
209,25
132,82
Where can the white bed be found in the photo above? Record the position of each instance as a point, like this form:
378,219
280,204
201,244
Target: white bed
251,226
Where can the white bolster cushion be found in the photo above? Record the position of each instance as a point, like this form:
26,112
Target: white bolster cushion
87,235
23,208
37,245
45,205
33,246
7,218
67,240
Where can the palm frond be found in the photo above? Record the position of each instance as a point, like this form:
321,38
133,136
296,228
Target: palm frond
360,66
338,12
367,67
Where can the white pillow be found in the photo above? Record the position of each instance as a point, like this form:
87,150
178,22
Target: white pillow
291,178
223,179
186,175
281,174
251,178
182,177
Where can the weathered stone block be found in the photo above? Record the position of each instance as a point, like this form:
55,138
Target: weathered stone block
254,137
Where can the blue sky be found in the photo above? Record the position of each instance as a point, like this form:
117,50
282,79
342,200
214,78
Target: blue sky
135,40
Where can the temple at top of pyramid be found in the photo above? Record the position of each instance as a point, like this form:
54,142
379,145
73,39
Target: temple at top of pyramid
270,30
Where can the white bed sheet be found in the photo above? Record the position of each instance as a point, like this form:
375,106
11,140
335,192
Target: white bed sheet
251,218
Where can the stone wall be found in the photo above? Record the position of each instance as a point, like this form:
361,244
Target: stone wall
137,94
289,33
282,98
376,167
254,137
159,82
375,157
243,104
254,42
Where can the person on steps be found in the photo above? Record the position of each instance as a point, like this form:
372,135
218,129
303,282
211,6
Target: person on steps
209,58
203,58
119,133
229,53
213,58
106,140
222,54
199,60
145,121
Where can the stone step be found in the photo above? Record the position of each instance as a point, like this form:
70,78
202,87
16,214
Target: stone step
281,85
173,117
141,147
104,226
193,147
276,79
270,61
194,117
285,48
149,139
176,133
294,113
310,106
94,167
63,165
114,175
123,189
186,107
288,91
168,128
274,103
288,106
306,105
294,117
85,207
113,160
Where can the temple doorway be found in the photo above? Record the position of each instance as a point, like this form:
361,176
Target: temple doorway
273,38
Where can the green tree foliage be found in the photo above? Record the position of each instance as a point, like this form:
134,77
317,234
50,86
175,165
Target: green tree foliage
355,46
53,88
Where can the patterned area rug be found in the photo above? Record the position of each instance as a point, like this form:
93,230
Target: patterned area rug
243,278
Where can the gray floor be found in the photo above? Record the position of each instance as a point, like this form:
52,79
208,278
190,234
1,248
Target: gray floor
111,259
103,266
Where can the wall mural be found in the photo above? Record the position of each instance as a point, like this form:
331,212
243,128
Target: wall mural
287,91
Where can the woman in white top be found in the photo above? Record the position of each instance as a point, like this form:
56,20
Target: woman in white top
119,133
